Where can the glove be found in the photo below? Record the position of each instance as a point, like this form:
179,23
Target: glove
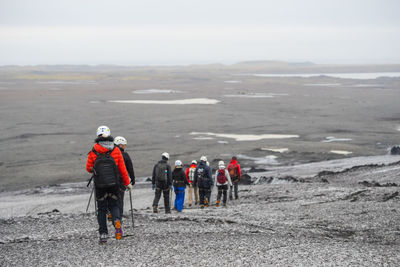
153,186
129,187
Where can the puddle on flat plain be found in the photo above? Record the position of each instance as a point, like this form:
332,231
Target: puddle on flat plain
341,152
279,150
192,101
247,137
334,139
156,91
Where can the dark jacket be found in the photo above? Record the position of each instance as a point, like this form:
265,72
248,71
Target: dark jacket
128,165
206,181
179,178
169,173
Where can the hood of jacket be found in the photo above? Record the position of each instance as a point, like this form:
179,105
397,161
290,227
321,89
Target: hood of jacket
99,147
234,161
106,142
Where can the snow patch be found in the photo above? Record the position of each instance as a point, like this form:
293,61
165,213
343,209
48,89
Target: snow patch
223,142
232,81
156,91
279,150
203,138
247,137
323,84
334,139
267,160
256,95
191,101
341,152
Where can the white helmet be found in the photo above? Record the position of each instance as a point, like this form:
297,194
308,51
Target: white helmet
194,161
221,163
203,158
165,155
103,131
178,163
119,140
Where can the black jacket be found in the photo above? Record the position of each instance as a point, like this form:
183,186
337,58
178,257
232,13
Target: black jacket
179,178
128,165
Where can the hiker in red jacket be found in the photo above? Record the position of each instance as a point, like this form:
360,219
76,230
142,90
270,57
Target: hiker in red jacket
192,189
106,162
236,174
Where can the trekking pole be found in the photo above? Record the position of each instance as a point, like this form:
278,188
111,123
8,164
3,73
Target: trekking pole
90,198
170,198
130,198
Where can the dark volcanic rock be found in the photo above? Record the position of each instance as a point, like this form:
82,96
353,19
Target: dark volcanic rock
395,150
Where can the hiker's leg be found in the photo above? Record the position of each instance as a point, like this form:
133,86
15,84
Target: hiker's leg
201,194
190,191
157,196
180,195
230,192
113,205
225,192
219,192
101,212
236,186
208,195
176,190
196,194
166,199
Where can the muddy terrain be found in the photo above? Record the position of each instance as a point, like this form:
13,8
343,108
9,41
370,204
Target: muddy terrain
49,115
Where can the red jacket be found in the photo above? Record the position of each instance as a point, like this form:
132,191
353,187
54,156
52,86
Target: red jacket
187,171
232,164
119,160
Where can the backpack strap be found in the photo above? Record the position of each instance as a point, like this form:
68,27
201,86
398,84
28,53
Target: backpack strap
95,152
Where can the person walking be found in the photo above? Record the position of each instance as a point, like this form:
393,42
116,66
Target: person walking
179,182
105,161
162,182
203,180
222,181
236,175
192,188
121,142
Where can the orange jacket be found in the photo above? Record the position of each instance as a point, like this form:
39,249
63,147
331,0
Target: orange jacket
119,160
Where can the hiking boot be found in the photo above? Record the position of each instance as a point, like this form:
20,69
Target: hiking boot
167,211
190,205
230,198
196,203
224,205
109,217
118,229
155,209
103,238
236,198
217,205
206,202
201,206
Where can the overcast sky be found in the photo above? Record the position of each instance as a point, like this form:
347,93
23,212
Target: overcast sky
150,32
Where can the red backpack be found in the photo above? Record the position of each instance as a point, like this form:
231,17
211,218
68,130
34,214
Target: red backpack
221,177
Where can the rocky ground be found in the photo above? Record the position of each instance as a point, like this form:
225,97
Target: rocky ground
349,216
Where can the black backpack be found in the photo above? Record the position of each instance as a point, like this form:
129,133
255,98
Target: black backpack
202,177
106,173
161,172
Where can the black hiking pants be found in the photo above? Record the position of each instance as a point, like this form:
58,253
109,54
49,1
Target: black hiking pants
164,189
222,189
107,200
235,188
205,194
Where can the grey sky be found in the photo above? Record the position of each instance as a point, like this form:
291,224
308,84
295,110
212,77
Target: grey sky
188,31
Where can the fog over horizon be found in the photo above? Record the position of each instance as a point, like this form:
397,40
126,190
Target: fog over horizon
181,32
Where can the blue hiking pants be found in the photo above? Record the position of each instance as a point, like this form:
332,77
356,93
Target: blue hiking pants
179,197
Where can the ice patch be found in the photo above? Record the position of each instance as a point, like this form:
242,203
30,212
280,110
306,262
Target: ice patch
279,150
270,159
157,91
334,139
232,81
256,95
223,142
248,137
341,152
192,101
